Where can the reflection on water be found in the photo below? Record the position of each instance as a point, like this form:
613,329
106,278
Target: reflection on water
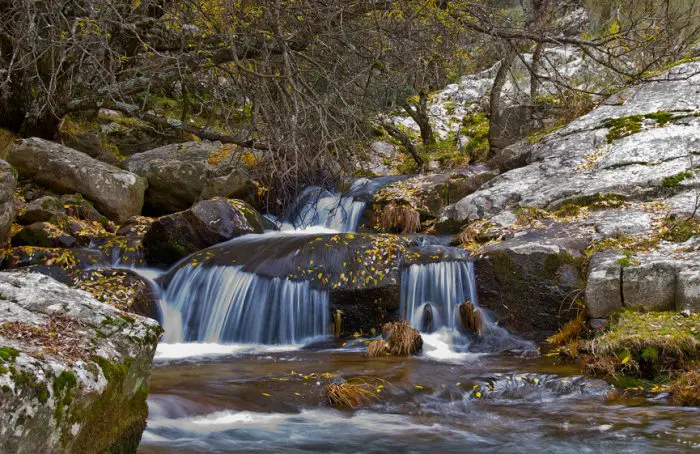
273,402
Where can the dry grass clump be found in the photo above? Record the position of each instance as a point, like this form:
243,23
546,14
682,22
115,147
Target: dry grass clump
403,340
470,318
346,394
570,331
645,345
61,337
378,348
686,389
395,216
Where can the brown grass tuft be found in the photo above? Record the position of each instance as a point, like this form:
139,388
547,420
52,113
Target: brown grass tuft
570,331
470,318
395,216
686,389
344,394
403,340
377,348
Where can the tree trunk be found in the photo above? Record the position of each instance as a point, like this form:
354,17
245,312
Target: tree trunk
406,141
495,98
419,113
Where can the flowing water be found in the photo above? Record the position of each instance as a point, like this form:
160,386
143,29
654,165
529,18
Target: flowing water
246,356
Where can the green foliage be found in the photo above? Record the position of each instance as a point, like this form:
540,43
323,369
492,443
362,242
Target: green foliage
8,354
626,126
675,181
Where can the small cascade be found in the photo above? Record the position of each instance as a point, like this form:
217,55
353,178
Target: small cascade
440,300
223,304
442,287
319,207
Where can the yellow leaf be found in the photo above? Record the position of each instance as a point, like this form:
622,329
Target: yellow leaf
266,394
478,395
626,359
419,387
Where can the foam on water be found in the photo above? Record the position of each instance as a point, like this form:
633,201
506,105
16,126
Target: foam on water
166,352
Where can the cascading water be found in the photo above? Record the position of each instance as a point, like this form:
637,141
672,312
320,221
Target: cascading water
431,295
319,207
443,285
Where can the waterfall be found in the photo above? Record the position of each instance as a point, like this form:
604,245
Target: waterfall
318,207
443,285
223,304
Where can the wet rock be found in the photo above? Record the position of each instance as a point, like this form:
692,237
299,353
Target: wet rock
122,250
8,181
207,223
115,192
82,389
201,169
42,209
43,234
60,264
530,282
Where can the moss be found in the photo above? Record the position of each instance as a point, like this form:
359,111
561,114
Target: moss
113,371
592,202
681,230
626,126
63,387
28,381
8,354
554,262
628,260
675,181
644,345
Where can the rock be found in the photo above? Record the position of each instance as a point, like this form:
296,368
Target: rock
43,234
511,157
664,279
688,290
380,157
82,390
8,181
42,209
116,193
60,264
596,155
427,194
201,169
121,289
122,250
604,285
650,287
207,223
530,282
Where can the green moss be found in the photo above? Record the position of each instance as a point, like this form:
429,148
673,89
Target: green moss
628,260
626,126
554,262
113,371
645,345
675,181
63,387
592,202
8,354
681,230
28,381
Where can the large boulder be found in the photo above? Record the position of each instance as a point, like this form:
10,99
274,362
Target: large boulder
426,195
8,181
664,279
640,142
207,223
73,371
180,174
530,282
115,192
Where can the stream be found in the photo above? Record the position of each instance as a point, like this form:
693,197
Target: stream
248,351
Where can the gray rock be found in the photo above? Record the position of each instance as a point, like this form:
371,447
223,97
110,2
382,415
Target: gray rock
84,390
207,223
115,192
8,181
42,210
604,287
579,160
650,286
688,289
180,174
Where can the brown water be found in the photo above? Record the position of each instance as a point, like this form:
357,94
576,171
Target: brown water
273,402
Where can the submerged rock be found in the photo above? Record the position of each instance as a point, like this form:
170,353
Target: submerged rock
8,181
115,192
73,371
180,174
207,223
